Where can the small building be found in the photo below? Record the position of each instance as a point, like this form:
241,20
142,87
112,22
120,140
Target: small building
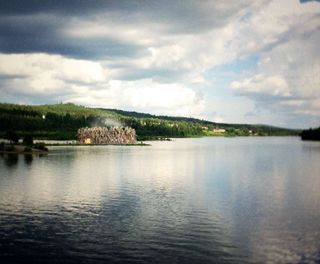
219,130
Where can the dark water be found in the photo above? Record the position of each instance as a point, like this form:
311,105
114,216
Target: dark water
208,200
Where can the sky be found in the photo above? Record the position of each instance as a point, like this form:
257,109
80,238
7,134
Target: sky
235,61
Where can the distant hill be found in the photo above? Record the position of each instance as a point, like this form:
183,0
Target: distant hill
61,121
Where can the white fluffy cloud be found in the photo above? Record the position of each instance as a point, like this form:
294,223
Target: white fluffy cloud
143,95
287,77
60,67
86,82
43,74
259,84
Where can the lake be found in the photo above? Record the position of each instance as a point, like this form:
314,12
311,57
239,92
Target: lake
204,200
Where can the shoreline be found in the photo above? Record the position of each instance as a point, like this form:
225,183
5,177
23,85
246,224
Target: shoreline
91,145
21,149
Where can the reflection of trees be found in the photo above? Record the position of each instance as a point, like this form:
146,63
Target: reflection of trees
10,159
28,158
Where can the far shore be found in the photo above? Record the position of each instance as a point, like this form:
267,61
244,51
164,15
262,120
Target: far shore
22,149
90,145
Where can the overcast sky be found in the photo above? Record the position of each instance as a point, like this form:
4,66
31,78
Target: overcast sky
239,61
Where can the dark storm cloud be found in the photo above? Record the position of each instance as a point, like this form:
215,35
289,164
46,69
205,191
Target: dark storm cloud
70,7
27,34
185,14
43,33
37,26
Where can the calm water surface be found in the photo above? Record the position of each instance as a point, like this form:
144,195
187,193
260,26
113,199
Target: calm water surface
207,200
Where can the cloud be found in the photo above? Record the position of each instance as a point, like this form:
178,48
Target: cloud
287,77
43,75
46,33
100,29
144,95
275,86
166,41
156,55
305,1
40,76
27,65
178,16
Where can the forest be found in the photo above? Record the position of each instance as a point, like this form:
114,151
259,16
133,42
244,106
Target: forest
311,134
61,121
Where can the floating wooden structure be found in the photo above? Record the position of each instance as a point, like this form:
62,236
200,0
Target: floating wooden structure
104,135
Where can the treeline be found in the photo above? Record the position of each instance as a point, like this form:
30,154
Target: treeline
61,121
311,134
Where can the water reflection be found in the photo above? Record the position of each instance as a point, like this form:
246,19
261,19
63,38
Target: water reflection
28,158
10,160
192,200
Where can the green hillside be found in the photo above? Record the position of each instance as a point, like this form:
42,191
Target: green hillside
61,121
